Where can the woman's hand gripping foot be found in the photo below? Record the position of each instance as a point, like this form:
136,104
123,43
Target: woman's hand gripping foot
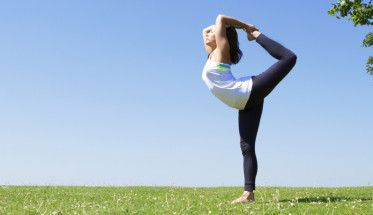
247,197
252,32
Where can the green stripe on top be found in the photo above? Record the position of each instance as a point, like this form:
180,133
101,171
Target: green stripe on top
222,67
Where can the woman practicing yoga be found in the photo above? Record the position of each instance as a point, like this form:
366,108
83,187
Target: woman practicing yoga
247,93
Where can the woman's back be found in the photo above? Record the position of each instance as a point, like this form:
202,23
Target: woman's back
220,56
220,81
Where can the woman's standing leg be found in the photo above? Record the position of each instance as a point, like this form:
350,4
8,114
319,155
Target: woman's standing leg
249,121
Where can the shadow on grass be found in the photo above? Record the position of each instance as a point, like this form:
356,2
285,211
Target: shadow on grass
324,199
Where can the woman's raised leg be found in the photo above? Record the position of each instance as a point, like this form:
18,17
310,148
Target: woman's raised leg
264,83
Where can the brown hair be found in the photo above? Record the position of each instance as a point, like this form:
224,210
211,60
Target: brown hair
234,50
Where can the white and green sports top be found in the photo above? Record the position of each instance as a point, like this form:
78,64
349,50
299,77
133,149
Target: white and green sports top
219,79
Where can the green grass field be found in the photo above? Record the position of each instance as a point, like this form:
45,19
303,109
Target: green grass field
181,200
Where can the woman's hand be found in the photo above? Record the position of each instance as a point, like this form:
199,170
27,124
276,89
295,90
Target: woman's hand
253,35
208,29
252,32
250,37
250,28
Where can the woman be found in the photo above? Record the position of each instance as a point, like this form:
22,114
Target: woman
247,93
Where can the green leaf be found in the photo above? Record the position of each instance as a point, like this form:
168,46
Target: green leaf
369,66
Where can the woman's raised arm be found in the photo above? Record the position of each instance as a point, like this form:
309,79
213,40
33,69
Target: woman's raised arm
237,23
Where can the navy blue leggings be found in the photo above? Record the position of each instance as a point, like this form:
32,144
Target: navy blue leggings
249,118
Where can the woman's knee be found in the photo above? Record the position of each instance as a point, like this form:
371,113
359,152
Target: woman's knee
291,59
247,148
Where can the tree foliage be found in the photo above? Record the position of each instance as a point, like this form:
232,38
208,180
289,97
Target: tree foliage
361,13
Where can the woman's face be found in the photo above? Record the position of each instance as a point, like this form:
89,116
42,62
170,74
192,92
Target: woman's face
210,37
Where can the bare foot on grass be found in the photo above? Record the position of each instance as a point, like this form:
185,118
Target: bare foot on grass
247,197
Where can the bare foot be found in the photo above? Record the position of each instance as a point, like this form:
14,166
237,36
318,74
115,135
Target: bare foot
255,34
252,32
247,197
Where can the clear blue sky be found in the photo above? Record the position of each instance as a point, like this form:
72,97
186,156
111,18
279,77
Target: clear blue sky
110,93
